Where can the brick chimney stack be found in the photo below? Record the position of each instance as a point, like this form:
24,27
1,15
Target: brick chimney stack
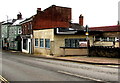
81,20
38,10
19,16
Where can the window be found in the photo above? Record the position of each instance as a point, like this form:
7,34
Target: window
42,43
36,41
47,43
67,43
25,44
19,31
77,43
106,39
73,42
111,38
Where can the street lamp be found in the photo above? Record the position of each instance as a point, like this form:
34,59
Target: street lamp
87,38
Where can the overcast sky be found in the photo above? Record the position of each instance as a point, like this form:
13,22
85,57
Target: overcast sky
95,12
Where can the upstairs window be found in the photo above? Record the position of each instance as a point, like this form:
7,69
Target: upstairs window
19,31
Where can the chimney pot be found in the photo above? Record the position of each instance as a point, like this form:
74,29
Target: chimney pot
81,20
19,16
38,10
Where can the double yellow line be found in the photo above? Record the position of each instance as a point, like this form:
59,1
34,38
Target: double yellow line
3,80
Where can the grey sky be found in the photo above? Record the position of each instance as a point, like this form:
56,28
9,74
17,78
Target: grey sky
95,12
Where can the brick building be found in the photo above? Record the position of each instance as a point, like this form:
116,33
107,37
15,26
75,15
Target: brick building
27,33
54,16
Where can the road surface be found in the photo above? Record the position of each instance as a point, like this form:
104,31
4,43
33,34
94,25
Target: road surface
17,67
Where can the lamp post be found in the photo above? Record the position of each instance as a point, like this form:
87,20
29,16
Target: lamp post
87,38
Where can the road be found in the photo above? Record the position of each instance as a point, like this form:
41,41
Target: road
17,67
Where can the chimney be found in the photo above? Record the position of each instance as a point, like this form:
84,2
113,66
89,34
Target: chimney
81,20
19,16
38,10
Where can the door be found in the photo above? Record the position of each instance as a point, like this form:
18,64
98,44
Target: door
29,48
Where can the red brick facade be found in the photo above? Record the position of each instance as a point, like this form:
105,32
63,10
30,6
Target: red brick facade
81,20
27,27
54,16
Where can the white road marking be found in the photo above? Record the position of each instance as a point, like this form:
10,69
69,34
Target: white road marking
80,76
113,66
3,79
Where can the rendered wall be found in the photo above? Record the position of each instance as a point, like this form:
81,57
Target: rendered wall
56,42
45,34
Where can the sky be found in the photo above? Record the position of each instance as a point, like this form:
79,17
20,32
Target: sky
95,12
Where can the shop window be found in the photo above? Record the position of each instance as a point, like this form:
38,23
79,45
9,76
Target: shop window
74,43
104,38
47,43
67,42
111,38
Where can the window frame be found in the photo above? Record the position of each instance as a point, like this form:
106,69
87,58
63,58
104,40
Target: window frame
41,42
73,42
47,43
37,42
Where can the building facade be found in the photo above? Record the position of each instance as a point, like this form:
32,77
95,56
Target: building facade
15,31
5,27
61,41
27,35
53,16
11,30
110,36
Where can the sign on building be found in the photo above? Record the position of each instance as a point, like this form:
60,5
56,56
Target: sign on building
83,44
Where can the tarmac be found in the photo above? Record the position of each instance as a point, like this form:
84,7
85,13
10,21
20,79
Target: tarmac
79,59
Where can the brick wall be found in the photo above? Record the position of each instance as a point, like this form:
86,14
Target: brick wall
54,16
26,28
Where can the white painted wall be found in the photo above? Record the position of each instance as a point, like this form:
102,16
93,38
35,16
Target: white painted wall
27,51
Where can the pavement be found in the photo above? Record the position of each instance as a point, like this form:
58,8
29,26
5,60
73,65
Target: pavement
79,59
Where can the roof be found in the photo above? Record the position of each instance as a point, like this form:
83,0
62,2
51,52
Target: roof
27,20
17,22
9,21
106,28
76,26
